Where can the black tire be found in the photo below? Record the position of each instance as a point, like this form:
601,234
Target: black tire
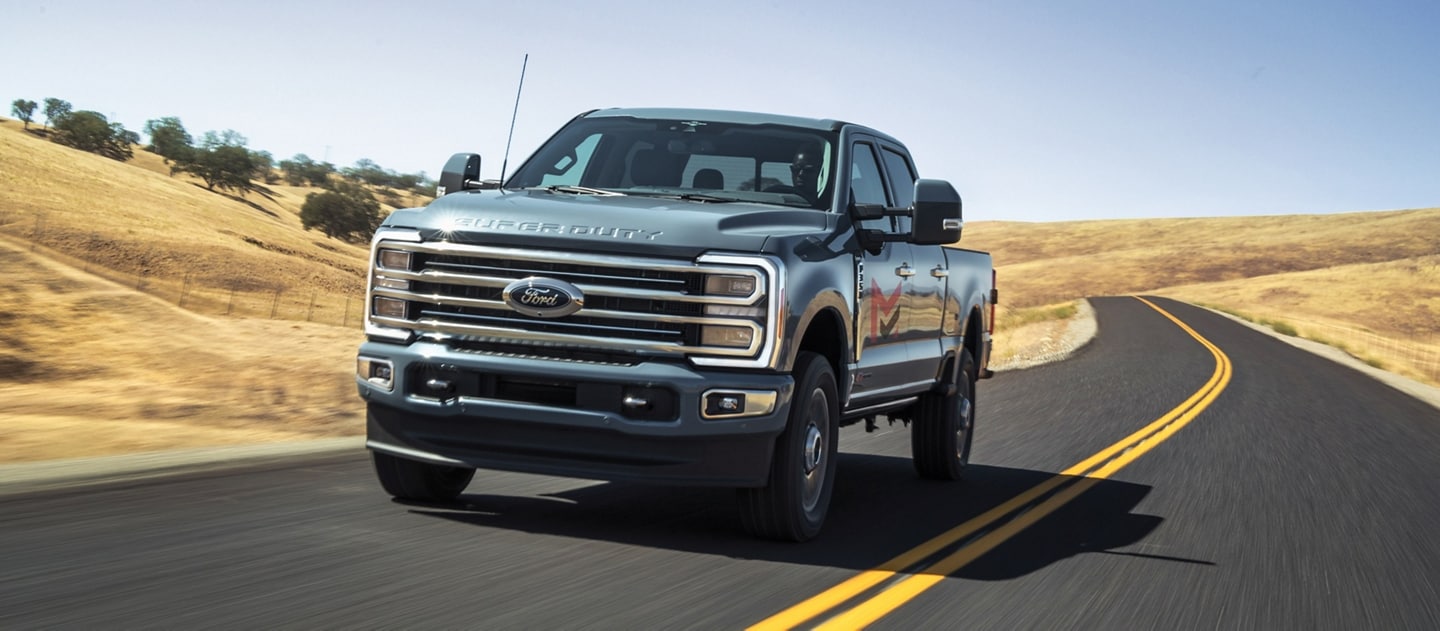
945,426
413,480
793,505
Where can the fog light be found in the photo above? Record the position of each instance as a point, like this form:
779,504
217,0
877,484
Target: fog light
724,404
720,404
389,307
377,372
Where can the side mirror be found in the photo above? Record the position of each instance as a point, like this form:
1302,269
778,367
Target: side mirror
462,171
935,217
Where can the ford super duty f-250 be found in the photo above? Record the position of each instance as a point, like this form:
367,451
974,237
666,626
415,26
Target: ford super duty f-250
680,296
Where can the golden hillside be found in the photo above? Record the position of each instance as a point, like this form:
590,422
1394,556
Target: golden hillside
1369,281
133,218
1050,262
91,366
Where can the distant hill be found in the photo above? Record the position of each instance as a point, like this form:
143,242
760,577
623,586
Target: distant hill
134,218
1049,262
1369,281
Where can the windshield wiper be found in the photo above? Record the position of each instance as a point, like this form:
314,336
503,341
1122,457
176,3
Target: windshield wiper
690,197
702,197
580,190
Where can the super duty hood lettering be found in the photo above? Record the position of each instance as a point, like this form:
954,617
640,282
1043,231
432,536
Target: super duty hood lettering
543,227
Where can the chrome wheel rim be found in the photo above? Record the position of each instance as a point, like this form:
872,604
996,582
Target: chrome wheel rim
813,462
962,428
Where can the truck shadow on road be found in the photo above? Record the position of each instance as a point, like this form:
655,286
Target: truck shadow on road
880,509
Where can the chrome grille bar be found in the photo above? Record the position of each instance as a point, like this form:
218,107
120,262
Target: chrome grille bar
651,306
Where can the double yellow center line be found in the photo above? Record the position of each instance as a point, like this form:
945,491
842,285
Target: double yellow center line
904,577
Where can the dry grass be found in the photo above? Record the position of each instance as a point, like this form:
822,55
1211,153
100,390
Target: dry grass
135,218
1055,262
89,367
1319,276
1025,333
1386,314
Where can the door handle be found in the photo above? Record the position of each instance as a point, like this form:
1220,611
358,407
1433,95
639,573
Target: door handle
939,272
905,270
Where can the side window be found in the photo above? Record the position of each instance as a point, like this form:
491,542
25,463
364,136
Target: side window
902,178
568,170
865,181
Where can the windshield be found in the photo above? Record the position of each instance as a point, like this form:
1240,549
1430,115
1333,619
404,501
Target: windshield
699,160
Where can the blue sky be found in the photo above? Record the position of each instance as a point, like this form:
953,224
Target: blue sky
1036,111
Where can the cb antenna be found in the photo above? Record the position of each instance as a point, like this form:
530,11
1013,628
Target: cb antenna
506,161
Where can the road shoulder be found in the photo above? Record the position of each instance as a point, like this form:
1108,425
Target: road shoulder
52,475
1428,394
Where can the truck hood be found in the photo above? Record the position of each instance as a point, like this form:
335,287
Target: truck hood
631,224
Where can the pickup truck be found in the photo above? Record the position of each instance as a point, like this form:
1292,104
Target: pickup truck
677,296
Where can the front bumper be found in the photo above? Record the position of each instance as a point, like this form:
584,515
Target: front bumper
563,418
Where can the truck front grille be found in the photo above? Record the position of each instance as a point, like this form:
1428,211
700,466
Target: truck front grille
631,306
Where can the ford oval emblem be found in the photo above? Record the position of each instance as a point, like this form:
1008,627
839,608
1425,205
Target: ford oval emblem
544,297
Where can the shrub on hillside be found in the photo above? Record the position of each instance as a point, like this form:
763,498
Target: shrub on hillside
90,131
346,211
169,140
226,167
301,170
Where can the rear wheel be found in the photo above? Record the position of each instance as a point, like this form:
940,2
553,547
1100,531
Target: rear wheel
413,480
944,426
792,506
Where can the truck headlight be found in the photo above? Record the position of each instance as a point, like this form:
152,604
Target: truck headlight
394,260
389,307
727,336
728,285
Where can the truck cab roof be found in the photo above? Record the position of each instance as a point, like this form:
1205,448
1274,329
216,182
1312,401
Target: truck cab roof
736,117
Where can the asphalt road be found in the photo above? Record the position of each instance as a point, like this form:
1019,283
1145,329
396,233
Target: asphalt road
1302,495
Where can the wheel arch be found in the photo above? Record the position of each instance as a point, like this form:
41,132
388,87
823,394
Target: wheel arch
825,333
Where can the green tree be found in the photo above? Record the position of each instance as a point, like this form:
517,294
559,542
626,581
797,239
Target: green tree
264,166
226,167
294,169
424,186
365,170
227,138
90,131
55,111
23,110
405,181
348,212
168,139
301,169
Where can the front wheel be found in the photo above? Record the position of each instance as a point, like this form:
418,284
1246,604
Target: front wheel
792,506
413,480
944,427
